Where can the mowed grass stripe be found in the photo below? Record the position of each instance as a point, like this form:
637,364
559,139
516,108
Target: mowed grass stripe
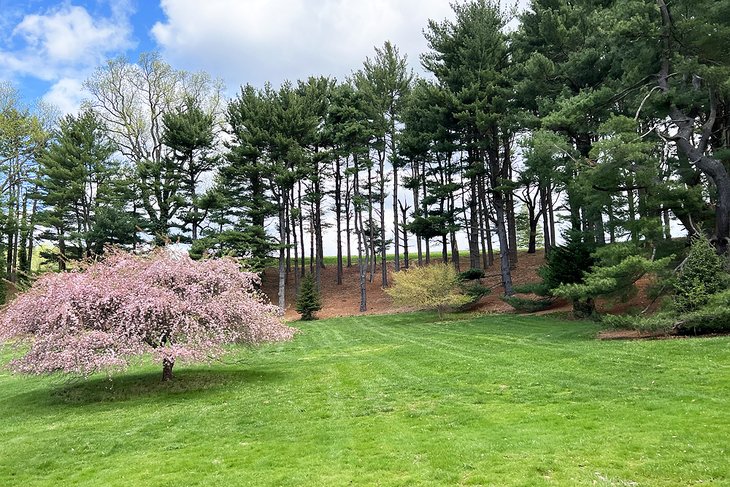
393,400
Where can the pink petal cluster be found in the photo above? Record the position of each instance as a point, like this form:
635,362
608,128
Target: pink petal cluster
166,304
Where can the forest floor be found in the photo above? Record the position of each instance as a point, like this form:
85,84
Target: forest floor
344,300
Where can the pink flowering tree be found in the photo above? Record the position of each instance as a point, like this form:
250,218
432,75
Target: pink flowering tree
168,305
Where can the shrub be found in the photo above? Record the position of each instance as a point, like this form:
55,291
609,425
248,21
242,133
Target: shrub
127,306
537,288
526,305
714,317
702,275
430,287
472,274
474,292
615,281
308,300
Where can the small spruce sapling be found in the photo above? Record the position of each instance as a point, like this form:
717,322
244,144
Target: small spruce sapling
309,300
702,274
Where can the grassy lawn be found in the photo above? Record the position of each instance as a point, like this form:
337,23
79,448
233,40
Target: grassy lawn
398,400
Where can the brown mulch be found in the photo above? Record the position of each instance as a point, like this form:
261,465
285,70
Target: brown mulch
632,335
344,300
637,335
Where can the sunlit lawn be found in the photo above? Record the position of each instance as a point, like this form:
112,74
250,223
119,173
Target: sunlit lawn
399,400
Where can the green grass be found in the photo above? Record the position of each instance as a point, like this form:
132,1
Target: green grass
399,400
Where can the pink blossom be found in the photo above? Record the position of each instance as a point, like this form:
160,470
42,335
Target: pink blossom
100,316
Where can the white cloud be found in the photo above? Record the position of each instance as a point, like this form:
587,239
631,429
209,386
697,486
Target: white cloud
63,40
259,40
66,95
62,46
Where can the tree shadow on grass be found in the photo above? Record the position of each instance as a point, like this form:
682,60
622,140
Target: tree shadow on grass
125,388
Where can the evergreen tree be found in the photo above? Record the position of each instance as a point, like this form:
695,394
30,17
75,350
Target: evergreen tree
76,181
308,299
189,133
385,82
470,58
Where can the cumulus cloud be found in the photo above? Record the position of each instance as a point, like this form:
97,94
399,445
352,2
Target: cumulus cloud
66,94
62,45
64,39
272,40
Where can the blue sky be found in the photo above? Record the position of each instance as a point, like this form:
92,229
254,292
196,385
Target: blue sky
48,48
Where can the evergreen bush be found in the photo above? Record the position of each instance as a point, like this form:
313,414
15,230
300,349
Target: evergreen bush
702,275
527,305
309,300
472,274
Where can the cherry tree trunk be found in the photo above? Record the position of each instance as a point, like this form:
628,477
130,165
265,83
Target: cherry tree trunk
167,365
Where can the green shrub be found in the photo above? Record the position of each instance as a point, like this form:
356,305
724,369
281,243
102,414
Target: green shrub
614,281
704,321
309,300
714,317
614,254
666,248
702,275
430,287
472,274
537,288
660,323
526,305
476,291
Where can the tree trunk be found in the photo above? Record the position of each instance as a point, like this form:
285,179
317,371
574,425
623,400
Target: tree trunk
383,249
545,220
532,245
503,244
404,211
371,222
312,231
348,201
497,172
319,265
417,208
301,231
509,199
667,225
167,365
338,219
487,229
474,224
295,244
362,264
288,239
282,254
396,225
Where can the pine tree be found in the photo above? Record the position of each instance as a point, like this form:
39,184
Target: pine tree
308,299
76,173
189,133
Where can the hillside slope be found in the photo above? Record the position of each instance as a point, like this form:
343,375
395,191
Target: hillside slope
344,300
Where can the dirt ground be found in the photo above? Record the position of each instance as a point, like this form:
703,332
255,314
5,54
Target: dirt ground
344,300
